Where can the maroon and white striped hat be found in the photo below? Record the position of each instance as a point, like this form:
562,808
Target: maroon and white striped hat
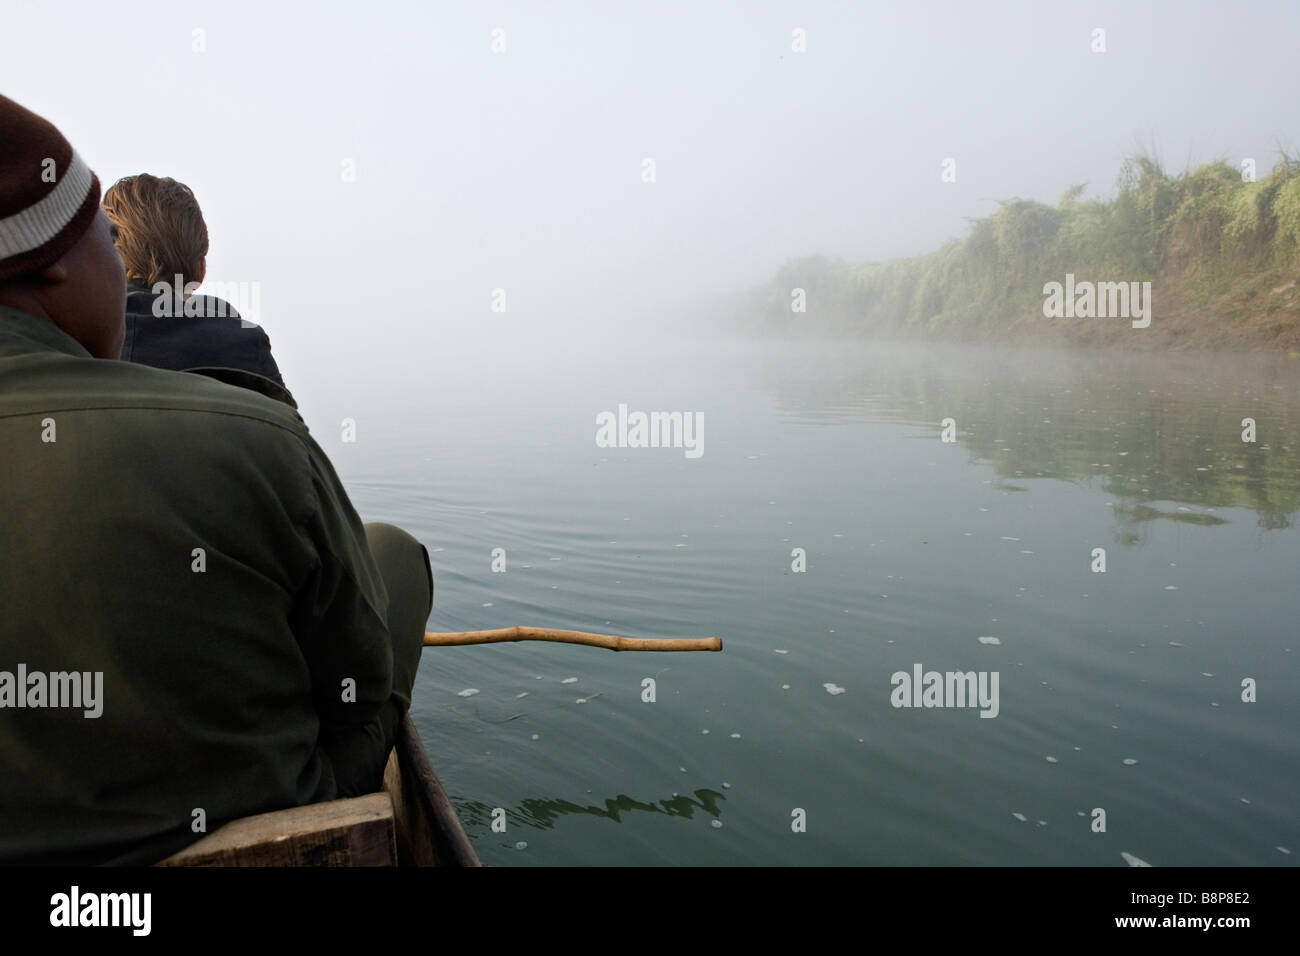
48,195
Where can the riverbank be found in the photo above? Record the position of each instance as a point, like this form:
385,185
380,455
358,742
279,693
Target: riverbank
1212,258
1245,313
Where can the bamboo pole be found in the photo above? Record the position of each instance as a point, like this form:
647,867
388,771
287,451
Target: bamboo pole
610,641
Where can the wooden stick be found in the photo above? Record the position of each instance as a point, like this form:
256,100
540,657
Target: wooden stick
613,642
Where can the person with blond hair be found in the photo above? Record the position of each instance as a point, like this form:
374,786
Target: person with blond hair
163,242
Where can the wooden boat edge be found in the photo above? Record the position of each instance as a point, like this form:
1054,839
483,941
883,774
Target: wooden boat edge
410,822
428,830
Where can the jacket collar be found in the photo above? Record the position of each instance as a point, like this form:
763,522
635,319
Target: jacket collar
138,287
22,333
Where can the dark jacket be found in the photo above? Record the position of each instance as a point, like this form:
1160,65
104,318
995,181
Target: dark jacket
190,541
220,338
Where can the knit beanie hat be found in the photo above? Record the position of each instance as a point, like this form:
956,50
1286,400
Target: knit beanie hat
48,195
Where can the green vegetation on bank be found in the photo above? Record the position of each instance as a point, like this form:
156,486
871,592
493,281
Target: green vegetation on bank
1222,255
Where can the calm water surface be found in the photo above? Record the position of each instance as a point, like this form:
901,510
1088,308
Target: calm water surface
1119,690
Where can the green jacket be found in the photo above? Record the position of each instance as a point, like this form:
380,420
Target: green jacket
189,540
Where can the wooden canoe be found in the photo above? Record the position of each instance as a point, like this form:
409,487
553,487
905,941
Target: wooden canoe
411,822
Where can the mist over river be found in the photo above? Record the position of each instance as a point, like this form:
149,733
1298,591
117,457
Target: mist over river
1161,691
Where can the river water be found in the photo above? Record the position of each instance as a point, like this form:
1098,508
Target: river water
1149,709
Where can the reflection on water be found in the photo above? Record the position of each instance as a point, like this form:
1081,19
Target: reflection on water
541,814
1142,428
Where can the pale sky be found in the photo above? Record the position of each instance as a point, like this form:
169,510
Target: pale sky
522,169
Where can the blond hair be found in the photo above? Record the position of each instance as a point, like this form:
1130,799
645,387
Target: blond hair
160,228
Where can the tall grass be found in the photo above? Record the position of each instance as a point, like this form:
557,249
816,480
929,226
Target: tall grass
1203,226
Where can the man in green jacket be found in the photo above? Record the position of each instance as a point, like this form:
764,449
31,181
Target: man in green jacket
194,624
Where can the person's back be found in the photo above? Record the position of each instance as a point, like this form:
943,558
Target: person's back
215,494
196,625
163,241
216,337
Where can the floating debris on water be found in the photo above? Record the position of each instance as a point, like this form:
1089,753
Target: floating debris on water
467,692
1051,759
725,785
1244,800
780,652
1021,817
735,736
833,689
1282,849
716,824
1176,644
521,845
1129,761
569,680
1171,587
1132,860
785,686
524,694
537,737
987,639
704,731
1206,674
